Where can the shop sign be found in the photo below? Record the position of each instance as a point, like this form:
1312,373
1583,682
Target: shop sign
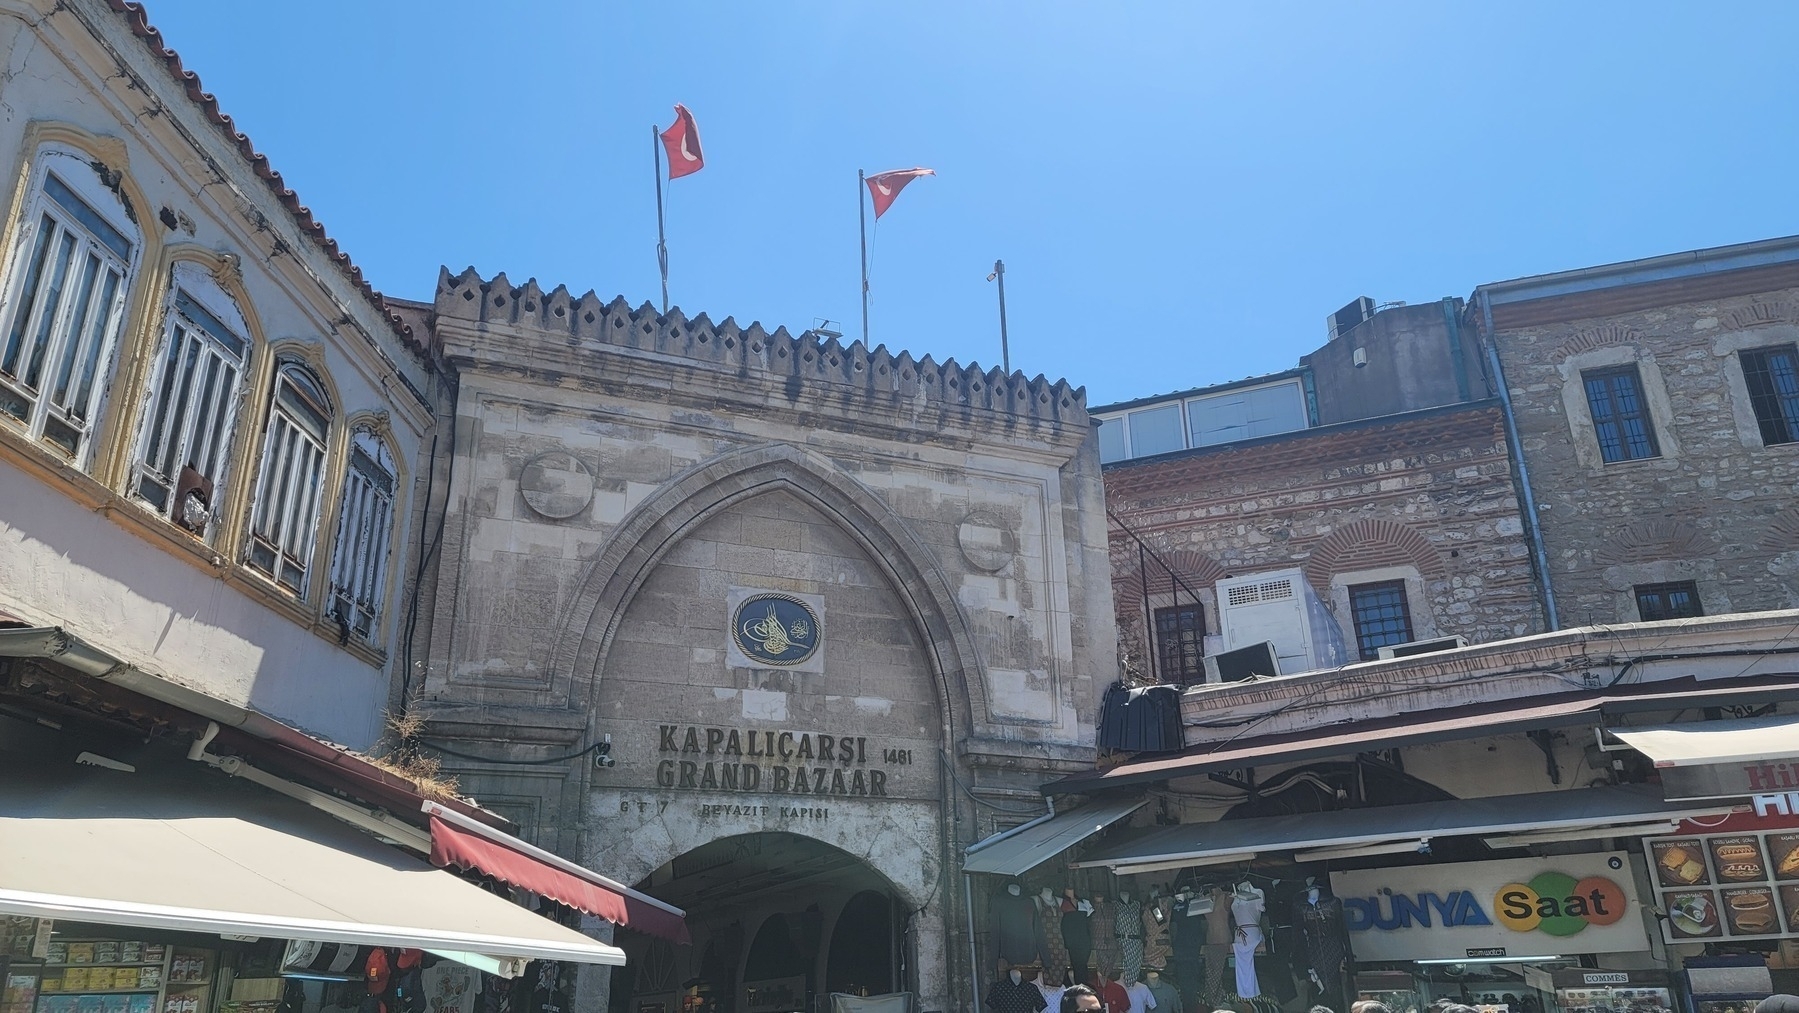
1740,886
1786,804
1518,907
699,758
1729,780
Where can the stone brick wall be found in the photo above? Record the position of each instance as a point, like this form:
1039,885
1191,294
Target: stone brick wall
1716,507
1427,495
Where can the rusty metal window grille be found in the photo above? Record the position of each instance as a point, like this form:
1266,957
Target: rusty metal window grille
1381,615
192,412
64,308
1673,600
285,524
1772,375
1181,643
1620,416
359,559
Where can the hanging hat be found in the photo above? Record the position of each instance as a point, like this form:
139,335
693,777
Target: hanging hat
408,959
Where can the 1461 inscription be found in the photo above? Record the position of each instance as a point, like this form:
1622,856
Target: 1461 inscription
699,758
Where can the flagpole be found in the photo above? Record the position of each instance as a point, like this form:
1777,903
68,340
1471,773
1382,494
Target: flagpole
1005,355
862,219
661,234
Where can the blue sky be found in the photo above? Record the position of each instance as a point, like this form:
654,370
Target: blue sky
1181,191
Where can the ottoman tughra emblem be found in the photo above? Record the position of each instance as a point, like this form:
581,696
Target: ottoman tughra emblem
775,629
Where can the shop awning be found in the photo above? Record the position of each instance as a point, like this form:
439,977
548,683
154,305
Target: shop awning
1418,728
168,847
1024,851
1720,759
1616,805
462,843
1697,742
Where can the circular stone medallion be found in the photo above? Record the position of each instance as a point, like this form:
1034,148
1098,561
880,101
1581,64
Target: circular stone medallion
556,485
987,542
776,629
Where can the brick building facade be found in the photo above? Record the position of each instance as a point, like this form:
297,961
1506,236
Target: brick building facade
1392,484
1657,411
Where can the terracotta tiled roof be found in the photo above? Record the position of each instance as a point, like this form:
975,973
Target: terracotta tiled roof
259,164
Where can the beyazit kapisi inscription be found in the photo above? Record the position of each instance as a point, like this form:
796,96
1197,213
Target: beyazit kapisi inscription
781,763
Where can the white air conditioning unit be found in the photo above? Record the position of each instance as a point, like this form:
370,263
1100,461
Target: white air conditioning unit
1417,647
1268,608
1345,320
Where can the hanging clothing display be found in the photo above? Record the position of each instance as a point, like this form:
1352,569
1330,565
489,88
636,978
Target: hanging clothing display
1077,935
1055,950
1007,996
1320,920
1129,924
1186,938
1155,931
1142,999
1168,999
1016,939
1246,912
1219,936
1114,998
1104,925
449,987
1052,994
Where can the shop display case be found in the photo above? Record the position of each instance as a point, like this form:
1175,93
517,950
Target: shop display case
121,976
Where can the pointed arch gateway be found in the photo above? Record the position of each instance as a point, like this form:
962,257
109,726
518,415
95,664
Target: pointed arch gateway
658,524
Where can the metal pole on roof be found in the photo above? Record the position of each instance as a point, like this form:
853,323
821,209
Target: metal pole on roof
661,234
862,221
1005,355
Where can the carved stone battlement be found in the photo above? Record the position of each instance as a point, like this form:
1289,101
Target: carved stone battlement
777,355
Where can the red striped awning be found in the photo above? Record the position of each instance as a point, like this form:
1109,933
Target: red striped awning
517,863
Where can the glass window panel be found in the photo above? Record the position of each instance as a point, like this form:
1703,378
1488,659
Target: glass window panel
1381,616
1111,440
1156,431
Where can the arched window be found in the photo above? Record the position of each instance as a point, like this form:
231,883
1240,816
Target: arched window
359,560
66,282
284,526
194,393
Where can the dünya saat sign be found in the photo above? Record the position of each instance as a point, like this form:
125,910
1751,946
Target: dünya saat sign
1517,907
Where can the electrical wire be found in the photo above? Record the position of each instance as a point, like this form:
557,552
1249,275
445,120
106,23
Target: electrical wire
519,763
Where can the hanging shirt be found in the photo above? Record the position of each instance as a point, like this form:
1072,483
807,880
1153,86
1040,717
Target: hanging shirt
1005,997
1114,998
1141,998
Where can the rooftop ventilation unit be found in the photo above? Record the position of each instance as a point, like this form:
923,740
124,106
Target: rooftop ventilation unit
1418,647
1268,607
1345,320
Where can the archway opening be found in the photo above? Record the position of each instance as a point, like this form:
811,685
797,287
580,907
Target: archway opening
778,920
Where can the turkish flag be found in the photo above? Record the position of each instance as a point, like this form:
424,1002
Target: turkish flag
885,186
683,143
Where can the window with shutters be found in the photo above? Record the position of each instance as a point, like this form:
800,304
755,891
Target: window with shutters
1772,375
359,559
1181,643
284,520
1670,600
67,279
1621,419
195,388
1381,615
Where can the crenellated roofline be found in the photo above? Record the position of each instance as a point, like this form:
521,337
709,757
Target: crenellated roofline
741,351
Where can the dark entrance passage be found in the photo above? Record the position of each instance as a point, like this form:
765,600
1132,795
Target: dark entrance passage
778,920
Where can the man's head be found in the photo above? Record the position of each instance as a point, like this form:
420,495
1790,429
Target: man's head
1369,1006
1079,999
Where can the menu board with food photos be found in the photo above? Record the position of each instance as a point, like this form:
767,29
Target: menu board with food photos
1728,886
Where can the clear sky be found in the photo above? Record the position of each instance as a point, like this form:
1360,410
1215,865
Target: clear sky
1181,191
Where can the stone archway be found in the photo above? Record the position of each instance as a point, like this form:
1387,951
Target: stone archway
660,522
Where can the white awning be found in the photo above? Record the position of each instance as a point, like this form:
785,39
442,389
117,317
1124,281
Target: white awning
175,848
1024,851
1700,742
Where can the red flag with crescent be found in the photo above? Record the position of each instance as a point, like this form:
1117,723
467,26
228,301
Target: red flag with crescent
682,140
884,187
